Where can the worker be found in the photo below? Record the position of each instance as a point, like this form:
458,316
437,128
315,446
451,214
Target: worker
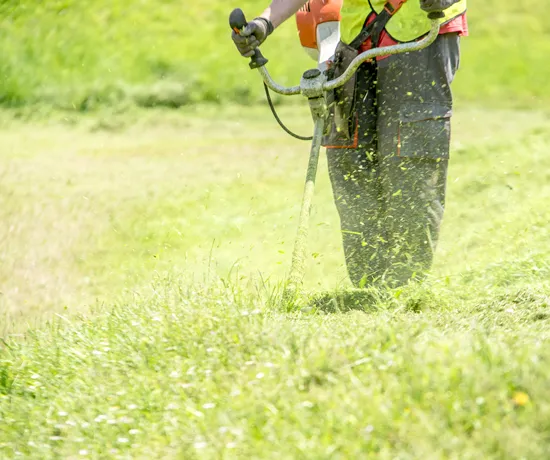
388,158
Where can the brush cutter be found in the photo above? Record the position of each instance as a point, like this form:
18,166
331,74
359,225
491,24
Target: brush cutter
314,85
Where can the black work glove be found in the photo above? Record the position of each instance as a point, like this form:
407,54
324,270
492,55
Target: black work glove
436,5
252,36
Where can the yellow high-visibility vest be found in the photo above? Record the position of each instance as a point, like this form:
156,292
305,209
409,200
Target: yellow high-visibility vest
408,24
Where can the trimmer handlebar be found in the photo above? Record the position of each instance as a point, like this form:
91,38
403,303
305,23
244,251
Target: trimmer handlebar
237,22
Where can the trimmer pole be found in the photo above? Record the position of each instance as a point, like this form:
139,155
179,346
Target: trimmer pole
297,269
311,87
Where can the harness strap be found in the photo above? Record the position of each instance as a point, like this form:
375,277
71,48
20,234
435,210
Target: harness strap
375,28
393,6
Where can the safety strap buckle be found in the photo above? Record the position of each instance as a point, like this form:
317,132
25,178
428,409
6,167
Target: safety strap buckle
393,6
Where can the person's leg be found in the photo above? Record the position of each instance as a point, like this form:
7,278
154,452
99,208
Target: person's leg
354,176
414,103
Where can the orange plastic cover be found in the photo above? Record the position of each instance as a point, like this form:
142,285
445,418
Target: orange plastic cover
312,14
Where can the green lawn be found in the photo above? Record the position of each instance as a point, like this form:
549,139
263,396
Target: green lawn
177,228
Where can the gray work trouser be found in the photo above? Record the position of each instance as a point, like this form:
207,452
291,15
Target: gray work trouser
389,186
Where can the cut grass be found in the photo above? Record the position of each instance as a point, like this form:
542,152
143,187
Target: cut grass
88,212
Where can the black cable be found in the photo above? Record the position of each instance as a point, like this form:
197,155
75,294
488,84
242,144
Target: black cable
288,131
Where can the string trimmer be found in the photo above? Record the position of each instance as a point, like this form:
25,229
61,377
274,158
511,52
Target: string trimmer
314,86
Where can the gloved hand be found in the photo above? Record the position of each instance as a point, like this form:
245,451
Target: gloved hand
252,36
436,5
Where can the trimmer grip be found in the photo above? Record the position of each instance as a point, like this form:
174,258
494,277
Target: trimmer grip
258,60
436,15
237,22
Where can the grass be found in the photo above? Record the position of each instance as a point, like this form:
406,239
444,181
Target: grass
142,253
212,373
169,54
156,247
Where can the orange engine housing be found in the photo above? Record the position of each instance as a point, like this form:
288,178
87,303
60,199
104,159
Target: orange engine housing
313,13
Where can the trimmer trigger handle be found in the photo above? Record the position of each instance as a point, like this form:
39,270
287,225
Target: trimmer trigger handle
237,22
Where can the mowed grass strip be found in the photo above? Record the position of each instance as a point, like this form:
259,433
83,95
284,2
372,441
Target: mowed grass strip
90,212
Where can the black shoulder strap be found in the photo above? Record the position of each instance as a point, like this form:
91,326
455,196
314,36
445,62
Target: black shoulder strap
375,28
363,36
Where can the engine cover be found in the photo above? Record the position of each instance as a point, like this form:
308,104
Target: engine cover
318,24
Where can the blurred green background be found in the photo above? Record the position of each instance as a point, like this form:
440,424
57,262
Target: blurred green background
82,55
